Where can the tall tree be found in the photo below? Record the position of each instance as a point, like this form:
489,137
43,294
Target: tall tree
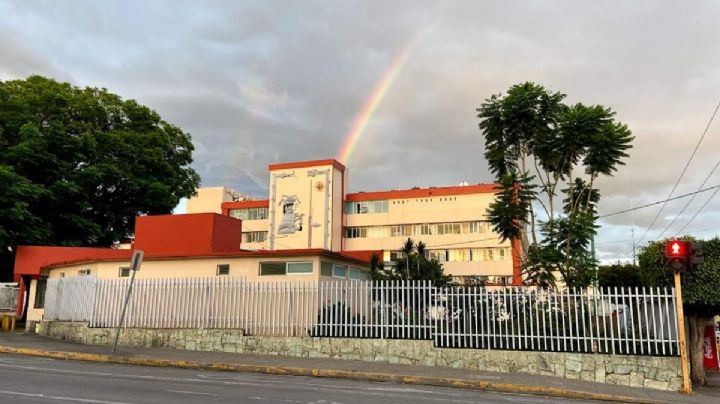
78,164
535,145
700,292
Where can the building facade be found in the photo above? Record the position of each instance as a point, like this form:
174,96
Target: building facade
308,207
202,245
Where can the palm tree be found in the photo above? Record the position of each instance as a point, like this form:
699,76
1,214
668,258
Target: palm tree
408,248
420,248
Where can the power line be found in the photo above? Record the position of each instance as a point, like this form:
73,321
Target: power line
672,191
659,202
699,210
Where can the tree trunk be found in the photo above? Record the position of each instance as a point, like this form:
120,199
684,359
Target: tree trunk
696,351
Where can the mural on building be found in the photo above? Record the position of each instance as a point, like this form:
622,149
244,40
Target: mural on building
291,220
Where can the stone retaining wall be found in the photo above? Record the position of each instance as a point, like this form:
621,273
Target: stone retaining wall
637,371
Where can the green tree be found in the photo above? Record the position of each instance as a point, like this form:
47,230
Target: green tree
619,275
700,292
535,144
78,164
413,265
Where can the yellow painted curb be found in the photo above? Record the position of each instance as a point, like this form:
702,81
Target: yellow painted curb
330,373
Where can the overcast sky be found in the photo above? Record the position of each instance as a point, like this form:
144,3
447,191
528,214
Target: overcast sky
257,82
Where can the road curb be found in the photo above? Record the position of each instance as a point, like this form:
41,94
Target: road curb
330,373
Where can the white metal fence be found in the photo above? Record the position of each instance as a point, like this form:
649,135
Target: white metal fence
70,299
380,309
9,296
259,308
622,321
613,320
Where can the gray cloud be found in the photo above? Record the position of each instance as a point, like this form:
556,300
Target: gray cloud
257,82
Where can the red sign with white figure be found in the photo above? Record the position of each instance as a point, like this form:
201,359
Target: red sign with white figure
710,355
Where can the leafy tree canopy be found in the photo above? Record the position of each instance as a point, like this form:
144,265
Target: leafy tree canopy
619,275
78,164
536,146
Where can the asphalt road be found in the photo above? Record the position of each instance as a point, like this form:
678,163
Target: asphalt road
38,380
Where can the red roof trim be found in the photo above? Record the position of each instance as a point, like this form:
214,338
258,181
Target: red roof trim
311,163
422,192
239,254
245,204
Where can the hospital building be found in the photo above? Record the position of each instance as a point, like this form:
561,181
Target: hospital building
308,207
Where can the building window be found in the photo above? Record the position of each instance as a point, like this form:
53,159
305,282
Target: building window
366,207
417,230
40,287
326,268
84,272
459,255
354,274
223,269
285,268
339,271
272,268
438,255
124,272
249,213
254,236
299,267
62,274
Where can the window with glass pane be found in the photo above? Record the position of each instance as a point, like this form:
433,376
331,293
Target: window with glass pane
459,255
354,274
254,236
124,272
366,207
339,271
438,255
326,268
299,267
249,213
223,269
272,268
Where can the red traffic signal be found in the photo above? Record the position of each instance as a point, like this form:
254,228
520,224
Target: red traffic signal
676,249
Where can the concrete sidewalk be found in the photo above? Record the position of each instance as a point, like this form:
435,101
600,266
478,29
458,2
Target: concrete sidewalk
31,344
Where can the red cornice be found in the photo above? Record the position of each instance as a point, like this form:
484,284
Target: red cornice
422,192
311,163
245,204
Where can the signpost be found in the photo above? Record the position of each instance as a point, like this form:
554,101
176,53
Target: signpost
134,267
682,256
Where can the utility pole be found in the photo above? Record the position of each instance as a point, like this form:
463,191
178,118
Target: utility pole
634,246
632,230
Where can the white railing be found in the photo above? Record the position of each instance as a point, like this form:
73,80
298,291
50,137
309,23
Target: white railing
380,309
259,308
616,320
638,321
9,296
70,299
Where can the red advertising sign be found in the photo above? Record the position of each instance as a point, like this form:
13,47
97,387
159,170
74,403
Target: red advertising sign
710,356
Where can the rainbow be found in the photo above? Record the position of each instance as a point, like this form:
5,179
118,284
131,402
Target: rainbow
373,101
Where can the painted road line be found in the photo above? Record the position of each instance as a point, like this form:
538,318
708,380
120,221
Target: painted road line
60,398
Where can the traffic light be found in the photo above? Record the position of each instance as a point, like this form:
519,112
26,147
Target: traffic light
677,253
695,257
